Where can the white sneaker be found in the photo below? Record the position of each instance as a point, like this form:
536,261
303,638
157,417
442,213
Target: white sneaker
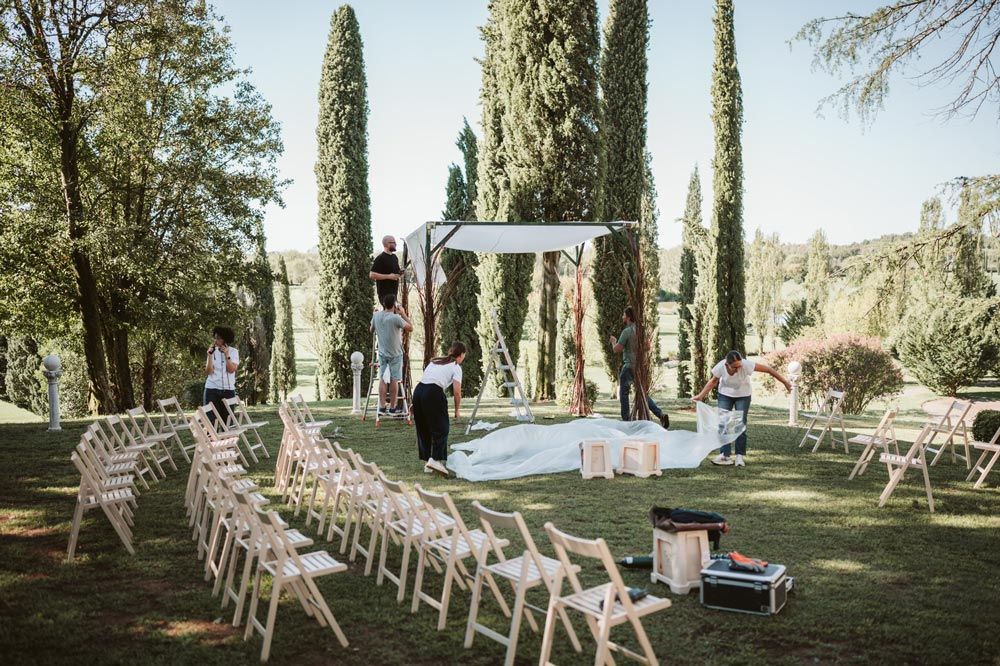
739,461
427,470
435,467
722,460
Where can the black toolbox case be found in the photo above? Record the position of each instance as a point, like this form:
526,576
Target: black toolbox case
744,592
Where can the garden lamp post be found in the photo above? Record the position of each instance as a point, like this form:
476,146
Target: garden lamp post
357,364
794,372
52,372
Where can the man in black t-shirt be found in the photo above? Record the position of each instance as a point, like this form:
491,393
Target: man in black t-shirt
385,270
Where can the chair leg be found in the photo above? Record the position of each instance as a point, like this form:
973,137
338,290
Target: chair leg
549,633
417,582
986,470
404,571
272,615
927,486
515,626
74,532
470,626
449,577
647,647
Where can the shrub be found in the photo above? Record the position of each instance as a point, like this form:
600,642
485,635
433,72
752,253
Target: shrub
564,393
985,425
192,395
857,365
950,343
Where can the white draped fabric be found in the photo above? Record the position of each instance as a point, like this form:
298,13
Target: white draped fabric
528,449
498,238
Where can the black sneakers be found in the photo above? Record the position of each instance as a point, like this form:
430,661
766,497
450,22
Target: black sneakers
665,421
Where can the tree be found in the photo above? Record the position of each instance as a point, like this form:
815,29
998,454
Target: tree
729,327
817,280
894,38
689,278
23,376
345,244
698,239
797,318
283,371
258,337
649,216
624,177
968,269
764,279
549,81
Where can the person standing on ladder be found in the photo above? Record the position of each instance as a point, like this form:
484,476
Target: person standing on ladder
385,270
389,323
625,345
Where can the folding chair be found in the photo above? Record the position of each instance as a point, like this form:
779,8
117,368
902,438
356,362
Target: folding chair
829,414
125,441
952,425
992,446
116,505
173,420
218,428
143,430
524,572
883,437
300,408
897,465
239,420
450,542
106,450
296,572
404,525
110,475
371,510
603,607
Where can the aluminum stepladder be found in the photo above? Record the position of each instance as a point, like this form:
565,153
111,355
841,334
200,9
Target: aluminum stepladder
500,358
373,381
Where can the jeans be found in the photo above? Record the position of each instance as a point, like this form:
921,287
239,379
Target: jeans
430,417
743,405
216,396
625,379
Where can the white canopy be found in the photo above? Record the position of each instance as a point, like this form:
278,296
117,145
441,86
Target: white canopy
499,238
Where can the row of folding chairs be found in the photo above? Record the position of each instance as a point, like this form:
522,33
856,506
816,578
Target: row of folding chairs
328,481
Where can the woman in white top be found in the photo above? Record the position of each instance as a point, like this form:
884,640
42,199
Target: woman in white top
430,406
732,375
220,370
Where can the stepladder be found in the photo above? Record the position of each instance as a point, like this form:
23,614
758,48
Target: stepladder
403,395
501,361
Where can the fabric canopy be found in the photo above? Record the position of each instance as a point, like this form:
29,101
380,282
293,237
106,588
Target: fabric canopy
498,238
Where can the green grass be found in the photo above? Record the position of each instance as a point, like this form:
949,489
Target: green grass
893,585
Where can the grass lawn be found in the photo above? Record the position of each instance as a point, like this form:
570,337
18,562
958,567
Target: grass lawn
893,585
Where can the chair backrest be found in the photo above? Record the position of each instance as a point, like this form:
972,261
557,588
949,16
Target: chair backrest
236,410
171,410
955,414
89,458
886,424
510,523
916,449
141,423
443,517
120,431
597,549
88,484
400,501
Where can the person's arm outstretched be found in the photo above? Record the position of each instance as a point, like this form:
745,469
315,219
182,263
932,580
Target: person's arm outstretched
760,367
711,384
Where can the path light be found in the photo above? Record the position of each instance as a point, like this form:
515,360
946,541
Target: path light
357,365
52,372
794,373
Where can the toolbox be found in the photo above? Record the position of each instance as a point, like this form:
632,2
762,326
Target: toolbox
742,591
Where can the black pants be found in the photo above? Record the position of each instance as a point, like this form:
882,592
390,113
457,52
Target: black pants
216,396
430,416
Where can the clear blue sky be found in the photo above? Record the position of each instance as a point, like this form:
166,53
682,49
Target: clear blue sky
802,172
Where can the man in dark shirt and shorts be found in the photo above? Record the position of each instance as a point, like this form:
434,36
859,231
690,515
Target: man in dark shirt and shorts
385,270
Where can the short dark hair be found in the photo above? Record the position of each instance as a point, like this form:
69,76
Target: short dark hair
389,301
733,356
227,334
630,313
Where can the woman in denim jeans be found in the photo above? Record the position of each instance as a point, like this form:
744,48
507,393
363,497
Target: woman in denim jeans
732,376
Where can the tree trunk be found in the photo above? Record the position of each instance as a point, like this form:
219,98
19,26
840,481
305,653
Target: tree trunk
548,328
579,405
118,359
149,372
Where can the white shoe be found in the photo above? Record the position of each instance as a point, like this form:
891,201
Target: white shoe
427,470
435,467
722,460
739,461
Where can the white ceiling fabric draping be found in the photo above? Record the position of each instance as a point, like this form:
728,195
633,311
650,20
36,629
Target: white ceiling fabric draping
499,238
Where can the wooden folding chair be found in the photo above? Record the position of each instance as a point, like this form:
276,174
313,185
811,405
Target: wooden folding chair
119,431
951,425
239,420
217,426
300,408
115,504
524,572
143,430
450,542
296,572
880,440
173,420
404,525
992,446
347,495
108,453
110,475
916,458
372,508
603,607
830,414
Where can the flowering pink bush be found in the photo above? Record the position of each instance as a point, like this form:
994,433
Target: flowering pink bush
857,365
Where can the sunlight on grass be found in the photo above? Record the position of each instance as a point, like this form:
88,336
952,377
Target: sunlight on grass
840,566
789,497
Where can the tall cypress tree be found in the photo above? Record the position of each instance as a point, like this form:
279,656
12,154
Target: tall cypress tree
817,280
504,279
623,167
729,327
345,245
283,371
23,380
689,278
650,247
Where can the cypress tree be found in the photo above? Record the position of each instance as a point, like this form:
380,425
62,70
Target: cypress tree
283,371
550,128
566,362
24,382
504,279
649,244
345,245
817,280
623,168
729,327
689,278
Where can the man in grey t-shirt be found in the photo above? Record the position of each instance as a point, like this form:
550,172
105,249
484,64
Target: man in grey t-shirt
389,323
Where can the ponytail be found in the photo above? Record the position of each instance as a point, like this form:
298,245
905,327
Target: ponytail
456,350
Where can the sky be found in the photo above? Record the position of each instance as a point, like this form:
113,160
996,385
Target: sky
803,170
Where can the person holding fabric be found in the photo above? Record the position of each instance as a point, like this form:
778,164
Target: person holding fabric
389,323
624,344
385,270
732,375
430,407
220,370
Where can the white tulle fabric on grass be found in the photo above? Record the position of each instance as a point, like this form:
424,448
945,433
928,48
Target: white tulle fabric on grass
524,450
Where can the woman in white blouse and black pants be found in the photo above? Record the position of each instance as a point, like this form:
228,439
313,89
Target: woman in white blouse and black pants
430,406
